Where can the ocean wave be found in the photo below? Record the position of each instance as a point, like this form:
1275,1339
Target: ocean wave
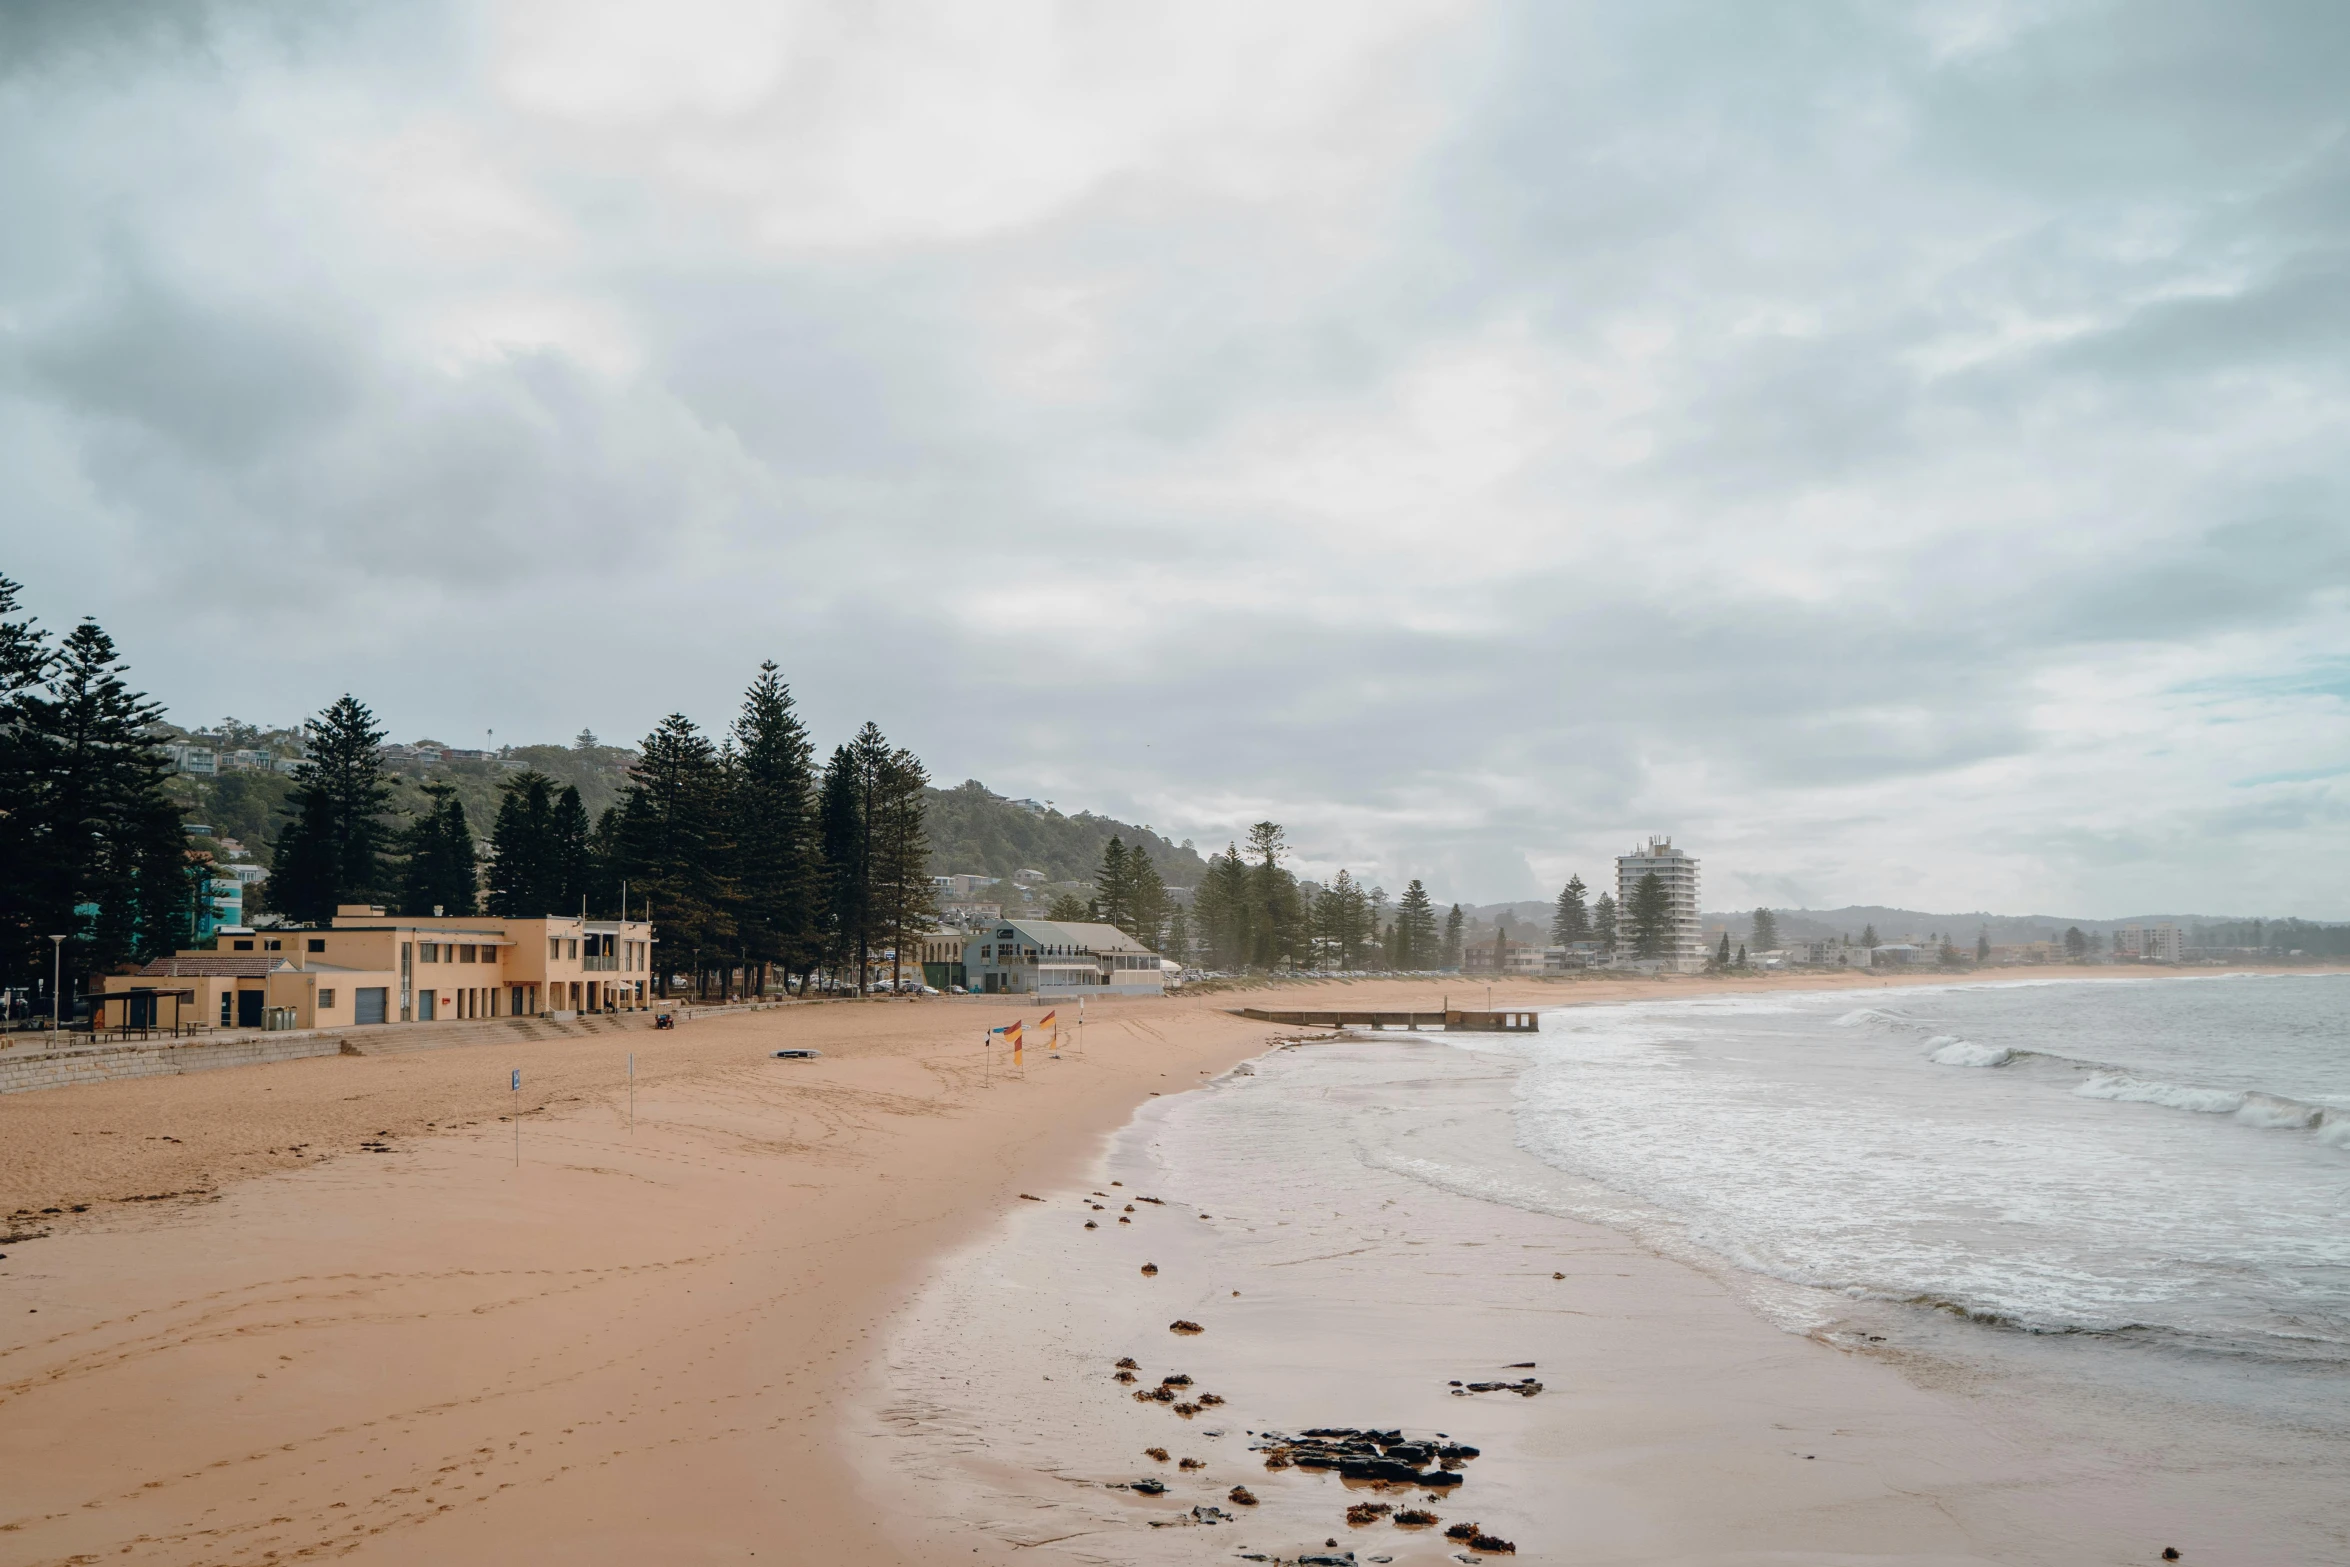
2300,1346
2274,1112
1877,1017
1950,1050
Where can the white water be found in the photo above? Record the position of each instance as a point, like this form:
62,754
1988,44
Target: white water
2164,1159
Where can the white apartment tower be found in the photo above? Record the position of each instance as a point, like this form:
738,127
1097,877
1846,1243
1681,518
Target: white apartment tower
1677,872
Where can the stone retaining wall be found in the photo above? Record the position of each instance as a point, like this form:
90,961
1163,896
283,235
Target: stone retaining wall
23,1070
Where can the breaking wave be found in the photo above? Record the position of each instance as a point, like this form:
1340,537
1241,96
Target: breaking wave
2249,1106
1950,1050
1877,1017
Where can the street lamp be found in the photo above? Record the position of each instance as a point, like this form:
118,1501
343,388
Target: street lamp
56,984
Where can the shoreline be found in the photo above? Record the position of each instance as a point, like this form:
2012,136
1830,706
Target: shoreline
263,1337
1341,1284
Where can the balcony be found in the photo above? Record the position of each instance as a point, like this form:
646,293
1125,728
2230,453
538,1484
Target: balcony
600,965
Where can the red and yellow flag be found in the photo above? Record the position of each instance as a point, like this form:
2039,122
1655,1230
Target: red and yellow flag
1013,1034
1047,1020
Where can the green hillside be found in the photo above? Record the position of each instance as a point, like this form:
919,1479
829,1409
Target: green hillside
974,831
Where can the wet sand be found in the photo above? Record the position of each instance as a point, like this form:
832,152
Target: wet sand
264,1341
1307,1228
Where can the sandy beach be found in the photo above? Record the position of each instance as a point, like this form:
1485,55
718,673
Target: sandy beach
317,1309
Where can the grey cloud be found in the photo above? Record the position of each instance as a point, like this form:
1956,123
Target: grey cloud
1814,610
223,382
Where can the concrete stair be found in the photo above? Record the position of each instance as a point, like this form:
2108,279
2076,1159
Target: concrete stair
401,1038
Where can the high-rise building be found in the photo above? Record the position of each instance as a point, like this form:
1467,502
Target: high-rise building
2157,943
1684,949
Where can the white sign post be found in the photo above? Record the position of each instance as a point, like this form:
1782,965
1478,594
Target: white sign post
516,1086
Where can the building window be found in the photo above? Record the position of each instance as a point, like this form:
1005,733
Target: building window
428,952
554,948
326,1000
317,944
271,946
575,949
467,952
241,946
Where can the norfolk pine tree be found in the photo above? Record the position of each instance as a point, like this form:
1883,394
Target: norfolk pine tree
1113,886
777,865
901,861
671,841
525,875
1650,916
333,851
101,831
574,865
1415,923
441,875
1571,922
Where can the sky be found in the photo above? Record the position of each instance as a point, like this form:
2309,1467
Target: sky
1897,452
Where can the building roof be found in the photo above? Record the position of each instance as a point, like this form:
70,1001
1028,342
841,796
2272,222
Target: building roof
235,965
1055,933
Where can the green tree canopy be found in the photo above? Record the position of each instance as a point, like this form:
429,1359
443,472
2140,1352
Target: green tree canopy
670,842
333,852
1570,922
1650,916
525,869
777,860
97,849
1415,925
441,874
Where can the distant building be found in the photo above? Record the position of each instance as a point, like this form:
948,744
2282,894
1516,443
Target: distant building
1048,958
1028,878
1834,953
199,761
2159,943
959,888
942,959
1684,949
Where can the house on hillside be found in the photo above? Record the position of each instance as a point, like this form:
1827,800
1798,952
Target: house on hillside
1049,958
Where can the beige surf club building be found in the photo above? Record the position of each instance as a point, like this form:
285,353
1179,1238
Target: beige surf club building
367,967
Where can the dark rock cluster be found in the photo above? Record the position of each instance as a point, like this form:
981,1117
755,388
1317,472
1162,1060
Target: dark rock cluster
1387,1457
1478,1540
1524,1387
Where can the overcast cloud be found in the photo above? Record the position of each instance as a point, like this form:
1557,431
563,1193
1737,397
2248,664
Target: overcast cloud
1899,453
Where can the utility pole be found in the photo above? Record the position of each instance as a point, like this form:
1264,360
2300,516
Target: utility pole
56,985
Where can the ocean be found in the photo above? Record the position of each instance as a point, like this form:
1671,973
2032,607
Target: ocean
2163,1164
2079,1252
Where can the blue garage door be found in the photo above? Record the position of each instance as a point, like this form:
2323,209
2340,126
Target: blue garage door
370,1004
